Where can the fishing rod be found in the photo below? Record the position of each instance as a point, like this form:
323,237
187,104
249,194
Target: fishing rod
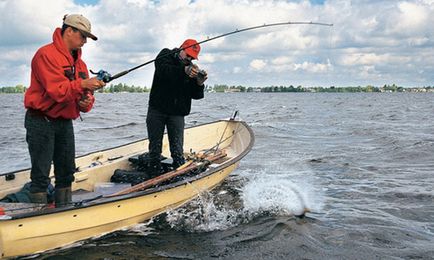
107,77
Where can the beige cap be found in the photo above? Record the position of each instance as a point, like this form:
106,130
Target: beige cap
81,23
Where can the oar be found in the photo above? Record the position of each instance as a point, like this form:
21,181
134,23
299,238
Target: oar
159,179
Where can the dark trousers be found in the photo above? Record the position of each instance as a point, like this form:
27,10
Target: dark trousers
50,141
156,122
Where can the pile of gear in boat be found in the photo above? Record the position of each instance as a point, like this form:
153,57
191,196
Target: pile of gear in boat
142,170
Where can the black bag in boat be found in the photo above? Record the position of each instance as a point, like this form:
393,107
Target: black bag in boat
142,162
142,170
133,177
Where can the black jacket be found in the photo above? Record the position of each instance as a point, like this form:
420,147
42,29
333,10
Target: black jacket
172,90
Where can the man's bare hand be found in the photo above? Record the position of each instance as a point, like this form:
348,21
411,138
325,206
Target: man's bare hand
92,84
84,104
192,70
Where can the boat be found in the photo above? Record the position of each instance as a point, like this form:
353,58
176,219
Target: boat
28,230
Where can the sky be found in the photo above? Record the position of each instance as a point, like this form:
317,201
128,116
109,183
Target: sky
371,42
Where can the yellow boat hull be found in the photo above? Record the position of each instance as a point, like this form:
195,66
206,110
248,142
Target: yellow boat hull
53,228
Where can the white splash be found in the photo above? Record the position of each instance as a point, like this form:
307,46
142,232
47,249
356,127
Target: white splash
276,194
203,214
141,229
259,193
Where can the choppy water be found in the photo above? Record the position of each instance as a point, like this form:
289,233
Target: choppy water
363,163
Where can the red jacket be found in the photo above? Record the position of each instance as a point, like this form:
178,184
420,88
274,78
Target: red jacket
55,87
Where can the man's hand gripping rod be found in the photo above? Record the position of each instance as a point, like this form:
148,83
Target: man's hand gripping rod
102,75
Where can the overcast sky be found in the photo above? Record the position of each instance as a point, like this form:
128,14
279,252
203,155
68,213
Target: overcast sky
372,41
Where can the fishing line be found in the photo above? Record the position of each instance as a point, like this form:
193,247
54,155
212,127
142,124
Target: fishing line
107,77
329,56
222,141
224,131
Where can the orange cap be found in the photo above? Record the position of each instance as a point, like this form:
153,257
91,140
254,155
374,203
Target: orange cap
192,51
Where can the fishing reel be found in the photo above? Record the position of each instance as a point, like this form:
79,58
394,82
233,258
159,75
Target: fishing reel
202,74
102,75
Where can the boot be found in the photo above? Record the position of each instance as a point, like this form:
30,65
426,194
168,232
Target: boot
38,197
62,197
154,169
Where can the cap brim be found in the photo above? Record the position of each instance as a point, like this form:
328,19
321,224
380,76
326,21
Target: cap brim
191,53
93,37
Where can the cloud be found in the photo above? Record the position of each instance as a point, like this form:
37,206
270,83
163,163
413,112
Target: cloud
411,16
370,42
313,67
282,60
258,64
237,70
353,59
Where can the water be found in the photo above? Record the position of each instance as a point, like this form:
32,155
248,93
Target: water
362,163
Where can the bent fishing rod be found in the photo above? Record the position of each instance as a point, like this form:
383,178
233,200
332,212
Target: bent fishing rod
107,77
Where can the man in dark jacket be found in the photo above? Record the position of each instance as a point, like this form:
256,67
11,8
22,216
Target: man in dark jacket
60,89
176,82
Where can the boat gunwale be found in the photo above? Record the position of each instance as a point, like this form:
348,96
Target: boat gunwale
121,145
101,201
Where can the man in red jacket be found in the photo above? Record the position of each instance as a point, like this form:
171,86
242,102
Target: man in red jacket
60,89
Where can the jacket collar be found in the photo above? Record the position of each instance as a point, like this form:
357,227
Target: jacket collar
61,46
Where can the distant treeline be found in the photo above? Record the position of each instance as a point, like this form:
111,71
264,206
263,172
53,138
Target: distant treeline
122,87
16,89
291,88
107,89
